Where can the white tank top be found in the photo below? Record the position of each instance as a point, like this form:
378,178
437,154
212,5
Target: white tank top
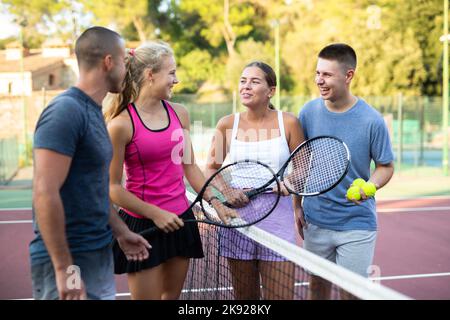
273,152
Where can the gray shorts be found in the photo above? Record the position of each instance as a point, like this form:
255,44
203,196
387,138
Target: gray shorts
97,272
352,249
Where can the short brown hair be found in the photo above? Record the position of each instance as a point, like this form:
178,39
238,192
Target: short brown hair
340,52
94,44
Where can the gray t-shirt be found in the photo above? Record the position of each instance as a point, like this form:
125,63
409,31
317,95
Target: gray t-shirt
364,131
73,125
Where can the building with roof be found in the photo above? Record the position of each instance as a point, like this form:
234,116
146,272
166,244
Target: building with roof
53,67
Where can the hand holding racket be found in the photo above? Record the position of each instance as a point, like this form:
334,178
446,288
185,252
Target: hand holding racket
231,197
316,166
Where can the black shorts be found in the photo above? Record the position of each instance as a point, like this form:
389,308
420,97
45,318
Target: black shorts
184,242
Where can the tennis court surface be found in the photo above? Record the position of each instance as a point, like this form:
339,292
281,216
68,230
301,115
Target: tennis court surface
411,258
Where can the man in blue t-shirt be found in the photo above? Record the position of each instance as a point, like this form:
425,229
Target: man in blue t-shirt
71,256
334,227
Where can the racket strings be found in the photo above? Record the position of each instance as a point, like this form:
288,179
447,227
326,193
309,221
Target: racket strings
231,186
317,166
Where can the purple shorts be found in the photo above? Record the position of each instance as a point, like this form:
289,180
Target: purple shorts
280,223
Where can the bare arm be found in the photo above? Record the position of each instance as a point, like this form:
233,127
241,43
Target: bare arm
219,148
295,137
192,171
382,174
50,172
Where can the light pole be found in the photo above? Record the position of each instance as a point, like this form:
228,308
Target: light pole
276,25
445,92
23,24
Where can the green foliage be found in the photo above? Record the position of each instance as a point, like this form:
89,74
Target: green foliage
5,41
195,68
248,51
397,42
122,13
32,14
390,58
212,16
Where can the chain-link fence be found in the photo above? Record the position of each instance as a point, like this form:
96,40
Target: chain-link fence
415,124
18,117
9,159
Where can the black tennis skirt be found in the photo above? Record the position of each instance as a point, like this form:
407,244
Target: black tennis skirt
184,242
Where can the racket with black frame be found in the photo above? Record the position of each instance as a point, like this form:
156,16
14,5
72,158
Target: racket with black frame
231,193
316,166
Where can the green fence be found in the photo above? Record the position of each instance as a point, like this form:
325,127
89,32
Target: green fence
415,124
9,159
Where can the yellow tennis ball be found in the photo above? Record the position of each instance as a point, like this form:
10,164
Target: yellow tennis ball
358,182
369,189
353,193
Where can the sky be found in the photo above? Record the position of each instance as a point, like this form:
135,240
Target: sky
7,28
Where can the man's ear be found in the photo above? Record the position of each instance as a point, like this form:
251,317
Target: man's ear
108,62
349,76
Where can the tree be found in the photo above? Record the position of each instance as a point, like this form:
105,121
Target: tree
196,67
389,57
225,21
424,18
34,15
123,13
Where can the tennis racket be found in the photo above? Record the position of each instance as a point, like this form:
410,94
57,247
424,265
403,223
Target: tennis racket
316,166
233,186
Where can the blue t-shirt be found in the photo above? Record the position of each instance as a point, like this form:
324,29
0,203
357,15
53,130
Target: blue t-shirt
73,125
364,131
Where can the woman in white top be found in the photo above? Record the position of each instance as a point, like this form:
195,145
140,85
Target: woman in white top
267,135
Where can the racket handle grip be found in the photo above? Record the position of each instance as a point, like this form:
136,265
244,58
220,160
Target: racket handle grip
250,195
255,192
149,231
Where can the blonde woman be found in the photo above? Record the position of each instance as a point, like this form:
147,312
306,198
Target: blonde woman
150,140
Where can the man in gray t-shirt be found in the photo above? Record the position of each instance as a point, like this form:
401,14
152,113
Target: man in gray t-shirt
334,227
73,220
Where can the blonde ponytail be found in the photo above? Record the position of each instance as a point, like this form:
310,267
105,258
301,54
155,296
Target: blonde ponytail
149,55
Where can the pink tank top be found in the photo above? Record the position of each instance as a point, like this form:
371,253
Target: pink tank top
153,163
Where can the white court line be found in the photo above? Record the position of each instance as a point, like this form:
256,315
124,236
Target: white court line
16,221
381,199
389,210
378,210
412,276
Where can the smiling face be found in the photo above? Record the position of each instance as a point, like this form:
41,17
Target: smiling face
165,78
333,79
253,88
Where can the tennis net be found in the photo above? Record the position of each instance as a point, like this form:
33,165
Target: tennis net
229,270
